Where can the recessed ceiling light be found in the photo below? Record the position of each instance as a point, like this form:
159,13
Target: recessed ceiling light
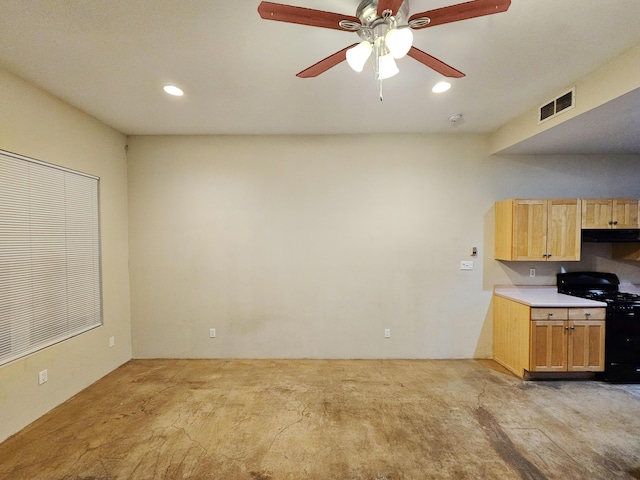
441,87
173,90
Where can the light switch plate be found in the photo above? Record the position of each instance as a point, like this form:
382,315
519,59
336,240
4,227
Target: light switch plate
466,265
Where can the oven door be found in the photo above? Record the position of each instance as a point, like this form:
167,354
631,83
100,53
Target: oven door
622,348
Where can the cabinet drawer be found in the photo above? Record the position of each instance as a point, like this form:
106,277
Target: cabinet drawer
549,314
587,313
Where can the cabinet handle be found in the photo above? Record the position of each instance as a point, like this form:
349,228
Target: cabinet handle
587,314
615,222
566,328
550,314
573,327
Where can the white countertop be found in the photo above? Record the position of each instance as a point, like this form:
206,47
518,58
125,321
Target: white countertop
544,296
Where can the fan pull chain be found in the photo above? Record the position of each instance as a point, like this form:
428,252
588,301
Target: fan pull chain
380,89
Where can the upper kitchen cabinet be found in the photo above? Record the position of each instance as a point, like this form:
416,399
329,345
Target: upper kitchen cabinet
538,229
601,213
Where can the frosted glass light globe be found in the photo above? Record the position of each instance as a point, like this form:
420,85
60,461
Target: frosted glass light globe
399,41
358,55
387,67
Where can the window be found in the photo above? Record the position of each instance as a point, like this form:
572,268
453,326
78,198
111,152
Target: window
50,286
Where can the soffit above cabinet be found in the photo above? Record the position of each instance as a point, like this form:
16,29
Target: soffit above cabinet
611,128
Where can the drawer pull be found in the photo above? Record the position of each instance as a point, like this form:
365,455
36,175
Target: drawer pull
587,314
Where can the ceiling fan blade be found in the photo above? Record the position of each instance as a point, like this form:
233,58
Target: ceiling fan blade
392,5
435,64
304,16
462,11
325,64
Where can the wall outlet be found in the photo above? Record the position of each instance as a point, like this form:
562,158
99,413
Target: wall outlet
212,333
466,265
112,341
43,377
387,333
532,272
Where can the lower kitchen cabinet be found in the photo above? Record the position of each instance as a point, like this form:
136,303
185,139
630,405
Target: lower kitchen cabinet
538,340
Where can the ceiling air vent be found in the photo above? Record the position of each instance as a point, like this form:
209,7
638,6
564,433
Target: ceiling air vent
564,102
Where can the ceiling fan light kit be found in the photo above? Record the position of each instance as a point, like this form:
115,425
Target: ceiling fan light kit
381,37
385,29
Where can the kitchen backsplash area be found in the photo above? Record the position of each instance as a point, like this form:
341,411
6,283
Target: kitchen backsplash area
595,257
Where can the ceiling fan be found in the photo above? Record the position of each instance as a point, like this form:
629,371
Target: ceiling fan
385,29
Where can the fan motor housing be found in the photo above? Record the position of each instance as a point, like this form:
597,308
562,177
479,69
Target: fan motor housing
367,13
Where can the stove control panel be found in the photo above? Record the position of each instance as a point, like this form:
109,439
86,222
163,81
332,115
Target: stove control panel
623,308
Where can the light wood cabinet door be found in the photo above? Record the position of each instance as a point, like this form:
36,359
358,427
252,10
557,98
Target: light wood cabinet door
563,230
585,347
548,351
610,213
625,213
530,230
596,213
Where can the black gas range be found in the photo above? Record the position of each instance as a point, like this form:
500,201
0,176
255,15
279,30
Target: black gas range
622,333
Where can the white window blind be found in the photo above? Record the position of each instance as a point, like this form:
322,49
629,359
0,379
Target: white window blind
50,286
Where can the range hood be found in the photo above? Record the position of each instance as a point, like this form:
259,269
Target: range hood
623,235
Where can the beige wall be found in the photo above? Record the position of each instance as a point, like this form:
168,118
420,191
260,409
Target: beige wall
37,125
312,246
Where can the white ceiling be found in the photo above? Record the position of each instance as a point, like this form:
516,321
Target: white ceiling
110,58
